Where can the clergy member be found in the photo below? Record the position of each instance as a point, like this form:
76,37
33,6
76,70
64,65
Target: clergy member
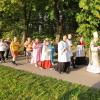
63,56
69,41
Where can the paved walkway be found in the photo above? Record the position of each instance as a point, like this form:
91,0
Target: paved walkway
80,76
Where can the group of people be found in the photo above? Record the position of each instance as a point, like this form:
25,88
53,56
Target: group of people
42,54
7,48
66,59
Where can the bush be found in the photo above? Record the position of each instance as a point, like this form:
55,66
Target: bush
42,36
9,34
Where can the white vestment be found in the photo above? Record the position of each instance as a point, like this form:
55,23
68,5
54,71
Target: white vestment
45,53
63,55
70,47
80,52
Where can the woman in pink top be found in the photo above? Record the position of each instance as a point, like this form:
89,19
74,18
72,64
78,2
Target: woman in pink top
36,54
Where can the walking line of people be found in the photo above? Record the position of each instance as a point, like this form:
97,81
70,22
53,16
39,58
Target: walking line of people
42,54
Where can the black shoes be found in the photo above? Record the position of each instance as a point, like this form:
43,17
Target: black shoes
13,62
75,67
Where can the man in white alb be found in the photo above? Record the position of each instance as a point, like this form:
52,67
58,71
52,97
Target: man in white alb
63,56
69,41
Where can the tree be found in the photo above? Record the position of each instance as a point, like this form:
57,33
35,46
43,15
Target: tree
21,14
63,13
89,17
24,17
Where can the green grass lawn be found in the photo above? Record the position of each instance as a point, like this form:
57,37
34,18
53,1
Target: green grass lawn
20,85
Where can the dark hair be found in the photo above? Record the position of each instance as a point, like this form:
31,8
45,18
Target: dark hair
64,35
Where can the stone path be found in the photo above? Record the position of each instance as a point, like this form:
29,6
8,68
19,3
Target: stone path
80,76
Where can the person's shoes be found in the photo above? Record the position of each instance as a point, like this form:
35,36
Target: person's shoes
3,61
59,71
68,70
75,67
28,62
71,67
16,64
13,62
6,59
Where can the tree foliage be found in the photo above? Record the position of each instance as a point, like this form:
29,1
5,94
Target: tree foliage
54,17
89,17
43,16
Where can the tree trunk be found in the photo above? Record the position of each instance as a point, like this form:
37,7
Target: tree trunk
58,20
24,37
58,33
25,33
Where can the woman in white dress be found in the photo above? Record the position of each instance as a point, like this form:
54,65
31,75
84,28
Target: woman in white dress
94,64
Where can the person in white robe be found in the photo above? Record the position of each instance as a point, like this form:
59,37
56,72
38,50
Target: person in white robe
63,56
69,41
94,64
80,53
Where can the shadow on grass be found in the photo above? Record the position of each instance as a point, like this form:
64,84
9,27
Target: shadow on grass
97,86
83,93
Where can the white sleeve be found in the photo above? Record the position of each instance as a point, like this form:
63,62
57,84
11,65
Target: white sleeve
69,43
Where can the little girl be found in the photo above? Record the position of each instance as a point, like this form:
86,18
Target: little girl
46,55
36,54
